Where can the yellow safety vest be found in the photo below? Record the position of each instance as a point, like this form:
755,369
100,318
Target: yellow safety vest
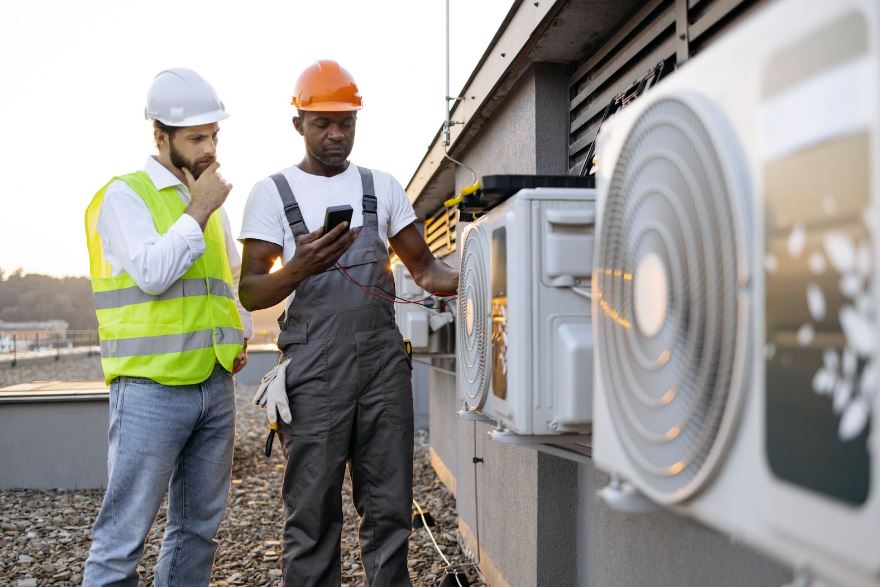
176,337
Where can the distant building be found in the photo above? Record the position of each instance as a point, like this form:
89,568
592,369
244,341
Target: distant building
33,329
27,335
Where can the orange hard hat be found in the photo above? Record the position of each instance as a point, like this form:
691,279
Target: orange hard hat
326,87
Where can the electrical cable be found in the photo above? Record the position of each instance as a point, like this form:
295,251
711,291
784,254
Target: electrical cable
388,297
459,163
363,288
431,534
476,495
436,546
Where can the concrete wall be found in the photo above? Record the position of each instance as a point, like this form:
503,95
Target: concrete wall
443,427
539,520
659,548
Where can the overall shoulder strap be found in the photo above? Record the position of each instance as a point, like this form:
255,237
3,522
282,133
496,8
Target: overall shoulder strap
291,207
370,203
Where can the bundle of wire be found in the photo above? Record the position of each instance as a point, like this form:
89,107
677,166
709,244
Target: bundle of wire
385,295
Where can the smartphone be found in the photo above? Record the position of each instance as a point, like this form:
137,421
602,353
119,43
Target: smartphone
336,214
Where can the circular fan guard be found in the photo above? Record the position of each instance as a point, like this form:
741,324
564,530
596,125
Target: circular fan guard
673,391
474,323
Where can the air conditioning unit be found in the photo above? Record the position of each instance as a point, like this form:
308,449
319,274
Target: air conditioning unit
734,293
412,320
416,312
524,349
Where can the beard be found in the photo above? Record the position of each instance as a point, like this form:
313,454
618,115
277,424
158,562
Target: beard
195,167
330,158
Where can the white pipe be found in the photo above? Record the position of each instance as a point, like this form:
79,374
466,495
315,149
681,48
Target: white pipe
446,124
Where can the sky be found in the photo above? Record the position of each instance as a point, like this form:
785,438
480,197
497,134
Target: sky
75,77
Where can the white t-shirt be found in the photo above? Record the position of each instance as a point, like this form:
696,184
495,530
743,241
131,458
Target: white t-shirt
264,217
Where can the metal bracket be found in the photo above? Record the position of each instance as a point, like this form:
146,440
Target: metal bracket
621,496
438,321
682,46
505,436
803,578
473,416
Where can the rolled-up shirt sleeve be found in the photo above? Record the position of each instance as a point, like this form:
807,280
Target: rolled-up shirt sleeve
133,245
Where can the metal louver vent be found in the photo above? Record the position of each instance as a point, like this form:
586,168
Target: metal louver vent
668,288
474,322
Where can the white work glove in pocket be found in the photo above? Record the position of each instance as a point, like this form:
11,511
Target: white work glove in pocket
272,394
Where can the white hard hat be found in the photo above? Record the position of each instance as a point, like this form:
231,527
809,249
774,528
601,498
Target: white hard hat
181,97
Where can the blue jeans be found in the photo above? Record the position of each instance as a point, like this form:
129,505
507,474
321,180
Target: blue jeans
182,435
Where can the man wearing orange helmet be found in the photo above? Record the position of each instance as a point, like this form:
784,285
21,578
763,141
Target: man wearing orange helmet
348,380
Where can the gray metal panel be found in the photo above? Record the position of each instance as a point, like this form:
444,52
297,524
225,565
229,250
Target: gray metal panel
421,397
54,445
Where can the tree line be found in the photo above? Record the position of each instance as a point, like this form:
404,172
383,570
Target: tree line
26,297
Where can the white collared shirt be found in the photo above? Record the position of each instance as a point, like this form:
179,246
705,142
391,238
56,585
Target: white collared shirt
155,261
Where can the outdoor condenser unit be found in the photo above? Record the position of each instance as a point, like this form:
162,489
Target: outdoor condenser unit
524,349
734,291
412,320
416,322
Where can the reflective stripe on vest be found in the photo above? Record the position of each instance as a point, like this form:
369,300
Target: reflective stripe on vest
169,343
179,289
178,336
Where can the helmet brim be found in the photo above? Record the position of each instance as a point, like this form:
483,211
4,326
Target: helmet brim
330,107
206,118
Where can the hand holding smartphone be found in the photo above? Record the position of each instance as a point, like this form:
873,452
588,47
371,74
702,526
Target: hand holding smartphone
336,215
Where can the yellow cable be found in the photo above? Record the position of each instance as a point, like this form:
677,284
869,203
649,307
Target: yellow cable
465,191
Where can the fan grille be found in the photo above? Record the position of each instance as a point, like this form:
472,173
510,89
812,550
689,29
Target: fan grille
667,291
474,327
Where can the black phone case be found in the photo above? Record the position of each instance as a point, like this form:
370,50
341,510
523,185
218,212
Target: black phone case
336,214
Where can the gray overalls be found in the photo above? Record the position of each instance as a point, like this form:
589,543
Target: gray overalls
349,388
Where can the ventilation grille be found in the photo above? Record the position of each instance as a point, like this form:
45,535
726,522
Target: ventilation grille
667,291
474,325
636,47
439,234
667,31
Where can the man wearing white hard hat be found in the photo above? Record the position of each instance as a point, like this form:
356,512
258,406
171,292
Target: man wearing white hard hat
164,272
